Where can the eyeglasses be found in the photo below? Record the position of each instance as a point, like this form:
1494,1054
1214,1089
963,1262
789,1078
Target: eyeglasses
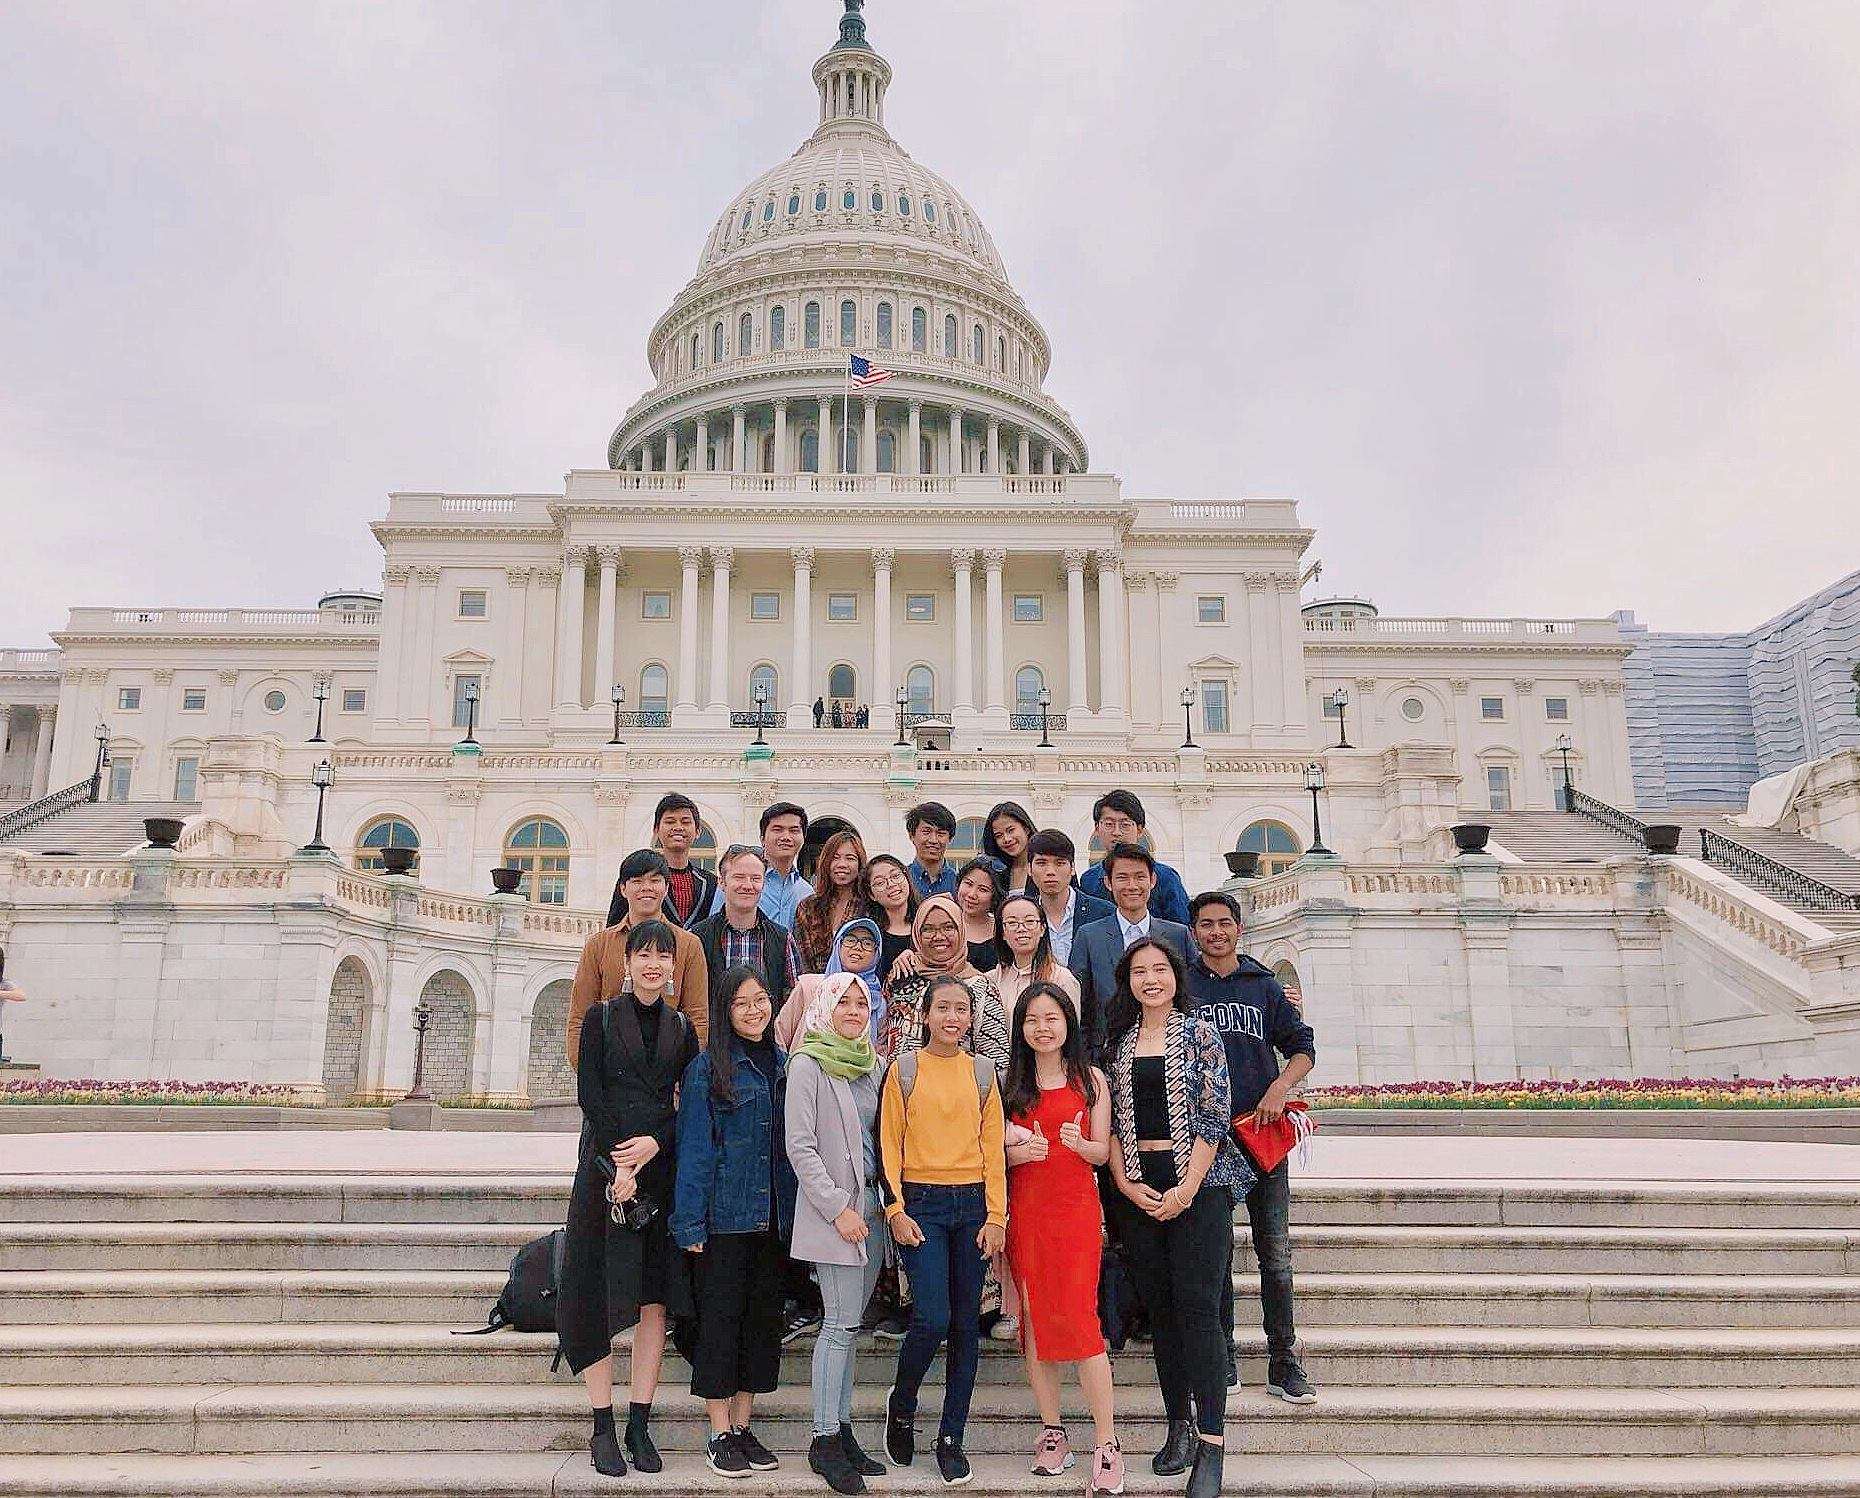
1029,923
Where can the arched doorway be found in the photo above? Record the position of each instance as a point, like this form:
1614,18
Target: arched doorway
842,692
346,1030
449,1036
549,1074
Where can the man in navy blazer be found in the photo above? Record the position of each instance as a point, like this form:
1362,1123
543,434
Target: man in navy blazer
1117,817
1130,877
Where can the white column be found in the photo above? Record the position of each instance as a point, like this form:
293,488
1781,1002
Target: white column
994,445
993,560
671,450
386,698
516,609
955,441
604,622
883,688
868,445
913,459
782,465
1110,633
420,658
700,457
645,457
801,668
1023,456
1046,462
1078,692
42,750
690,559
1291,634
824,449
962,560
720,560
739,456
572,605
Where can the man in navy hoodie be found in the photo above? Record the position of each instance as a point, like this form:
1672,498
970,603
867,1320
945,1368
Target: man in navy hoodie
1258,1025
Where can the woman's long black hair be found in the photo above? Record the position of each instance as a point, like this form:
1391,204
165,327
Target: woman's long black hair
1022,1093
717,1045
1015,812
1123,1011
873,908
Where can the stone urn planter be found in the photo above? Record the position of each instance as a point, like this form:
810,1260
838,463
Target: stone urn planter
1243,863
398,860
505,881
162,832
1470,837
1663,837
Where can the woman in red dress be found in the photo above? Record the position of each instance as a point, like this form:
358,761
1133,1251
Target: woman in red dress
1055,1224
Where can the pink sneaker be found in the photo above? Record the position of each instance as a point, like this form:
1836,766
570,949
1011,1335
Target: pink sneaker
1107,1470
1053,1455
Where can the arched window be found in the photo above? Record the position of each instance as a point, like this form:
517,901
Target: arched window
849,323
768,210
385,832
810,325
887,453
949,336
716,344
929,211
878,200
539,847
904,206
810,450
1274,842
967,842
975,345
820,200
745,333
849,199
842,687
697,349
654,689
920,690
1028,682
766,677
884,324
1001,354
748,209
778,330
794,204
920,330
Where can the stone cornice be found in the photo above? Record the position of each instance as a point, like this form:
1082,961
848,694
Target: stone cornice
195,637
1594,648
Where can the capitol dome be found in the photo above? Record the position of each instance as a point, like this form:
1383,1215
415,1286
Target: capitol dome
849,247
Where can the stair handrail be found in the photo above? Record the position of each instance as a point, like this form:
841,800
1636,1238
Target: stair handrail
1611,817
1748,864
20,818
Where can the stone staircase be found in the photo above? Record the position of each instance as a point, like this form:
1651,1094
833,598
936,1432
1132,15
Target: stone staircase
96,829
239,1336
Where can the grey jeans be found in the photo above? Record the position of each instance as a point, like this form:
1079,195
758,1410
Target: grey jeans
844,1290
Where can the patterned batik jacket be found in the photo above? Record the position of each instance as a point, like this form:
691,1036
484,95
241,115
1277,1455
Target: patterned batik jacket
1195,1083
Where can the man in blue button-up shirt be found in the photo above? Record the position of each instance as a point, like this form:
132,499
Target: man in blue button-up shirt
1117,817
784,829
930,825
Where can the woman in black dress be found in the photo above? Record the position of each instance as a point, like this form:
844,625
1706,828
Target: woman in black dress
620,1268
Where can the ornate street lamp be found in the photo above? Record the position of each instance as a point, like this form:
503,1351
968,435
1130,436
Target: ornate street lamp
1046,715
1562,747
1340,700
1188,725
761,696
102,732
471,713
422,1019
904,698
322,776
618,697
321,692
1314,783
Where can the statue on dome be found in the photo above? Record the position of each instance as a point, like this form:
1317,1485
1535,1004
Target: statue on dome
852,26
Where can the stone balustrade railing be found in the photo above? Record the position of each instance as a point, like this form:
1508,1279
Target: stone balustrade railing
224,621
1473,631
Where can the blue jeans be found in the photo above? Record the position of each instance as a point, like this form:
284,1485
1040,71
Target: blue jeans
844,1290
946,1272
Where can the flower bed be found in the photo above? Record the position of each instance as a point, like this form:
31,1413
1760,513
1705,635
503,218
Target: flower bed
52,1092
1638,1093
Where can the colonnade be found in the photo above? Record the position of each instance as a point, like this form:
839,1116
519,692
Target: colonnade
42,719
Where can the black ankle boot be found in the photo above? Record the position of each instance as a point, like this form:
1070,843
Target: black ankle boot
827,1456
604,1448
1178,1450
1205,1480
864,1465
639,1443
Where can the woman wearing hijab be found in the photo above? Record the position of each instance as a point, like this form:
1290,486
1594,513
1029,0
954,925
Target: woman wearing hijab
855,951
942,952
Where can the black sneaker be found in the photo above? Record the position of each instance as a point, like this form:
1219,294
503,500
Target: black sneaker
1288,1382
900,1434
754,1452
725,1457
892,1326
801,1320
951,1463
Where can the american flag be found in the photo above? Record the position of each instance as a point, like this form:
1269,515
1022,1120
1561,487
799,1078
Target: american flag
865,372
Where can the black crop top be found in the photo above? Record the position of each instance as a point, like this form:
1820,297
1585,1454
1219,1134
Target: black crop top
1150,1096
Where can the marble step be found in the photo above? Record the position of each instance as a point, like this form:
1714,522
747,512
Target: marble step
454,1418
556,1474
1387,1356
459,1298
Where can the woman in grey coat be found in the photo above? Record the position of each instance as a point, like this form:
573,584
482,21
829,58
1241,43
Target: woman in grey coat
833,1081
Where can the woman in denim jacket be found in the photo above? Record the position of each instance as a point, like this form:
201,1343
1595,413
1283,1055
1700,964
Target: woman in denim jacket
732,1212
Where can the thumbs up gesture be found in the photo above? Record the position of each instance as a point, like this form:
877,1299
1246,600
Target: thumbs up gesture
1037,1146
1072,1132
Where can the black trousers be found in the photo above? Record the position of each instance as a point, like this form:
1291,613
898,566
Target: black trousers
1179,1266
738,1282
1269,1212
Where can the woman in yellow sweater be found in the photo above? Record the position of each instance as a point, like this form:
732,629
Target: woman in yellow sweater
945,1177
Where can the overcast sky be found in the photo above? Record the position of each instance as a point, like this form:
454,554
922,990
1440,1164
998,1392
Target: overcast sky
1536,309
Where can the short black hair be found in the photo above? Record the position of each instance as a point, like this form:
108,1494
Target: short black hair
1120,800
1218,897
782,809
654,936
1128,851
933,812
641,862
1050,842
676,801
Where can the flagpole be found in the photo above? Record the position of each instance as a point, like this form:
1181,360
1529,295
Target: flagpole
846,417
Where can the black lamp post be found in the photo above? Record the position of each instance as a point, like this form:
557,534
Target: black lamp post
323,776
904,698
321,692
103,758
618,697
1314,783
471,713
422,1019
761,696
1340,699
1046,718
1188,722
1563,746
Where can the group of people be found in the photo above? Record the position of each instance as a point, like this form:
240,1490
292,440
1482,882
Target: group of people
938,1102
841,714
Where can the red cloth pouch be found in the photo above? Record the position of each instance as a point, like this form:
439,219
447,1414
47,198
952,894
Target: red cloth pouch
1266,1146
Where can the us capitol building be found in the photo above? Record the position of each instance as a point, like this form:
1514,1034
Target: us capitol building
912,588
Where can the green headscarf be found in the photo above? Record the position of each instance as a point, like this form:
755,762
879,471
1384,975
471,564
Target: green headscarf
833,1052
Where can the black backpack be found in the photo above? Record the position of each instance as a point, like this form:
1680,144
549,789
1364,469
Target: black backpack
528,1301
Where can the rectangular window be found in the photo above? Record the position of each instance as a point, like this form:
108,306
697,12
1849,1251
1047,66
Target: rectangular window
1331,709
1214,707
1498,787
765,606
1556,709
128,699
461,710
120,772
920,608
193,699
1211,608
655,605
842,608
355,699
187,778
1555,770
1492,709
474,603
1029,608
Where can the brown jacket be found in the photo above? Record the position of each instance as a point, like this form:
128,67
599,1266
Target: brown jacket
602,974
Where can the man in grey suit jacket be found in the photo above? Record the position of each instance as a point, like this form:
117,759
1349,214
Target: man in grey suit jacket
1130,876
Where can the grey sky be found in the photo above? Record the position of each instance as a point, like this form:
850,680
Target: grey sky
1537,309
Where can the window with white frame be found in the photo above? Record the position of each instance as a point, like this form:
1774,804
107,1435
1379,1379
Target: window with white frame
765,677
842,608
1413,709
1332,709
187,778
920,690
464,688
1211,608
274,701
1029,608
1214,706
128,699
122,771
355,699
655,604
764,606
193,699
655,689
1029,681
1556,709
920,608
1498,787
474,603
1492,709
